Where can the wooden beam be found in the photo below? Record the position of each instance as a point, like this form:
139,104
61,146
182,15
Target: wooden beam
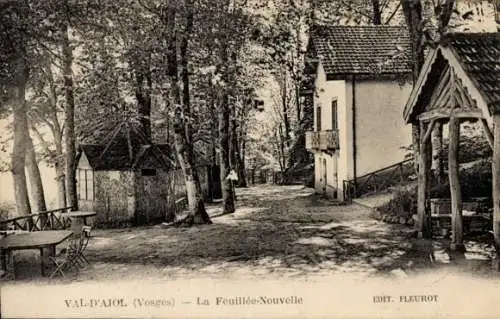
445,113
443,91
423,222
417,88
466,81
487,132
428,133
496,188
461,91
456,197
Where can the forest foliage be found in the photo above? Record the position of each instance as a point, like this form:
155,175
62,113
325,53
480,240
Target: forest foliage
219,80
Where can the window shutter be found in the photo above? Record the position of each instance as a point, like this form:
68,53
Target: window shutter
318,118
335,124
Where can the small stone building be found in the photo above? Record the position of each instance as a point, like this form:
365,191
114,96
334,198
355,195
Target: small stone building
128,183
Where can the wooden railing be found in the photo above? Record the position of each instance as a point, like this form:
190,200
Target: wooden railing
46,220
322,140
396,174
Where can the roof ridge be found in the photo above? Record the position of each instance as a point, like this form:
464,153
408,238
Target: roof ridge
361,49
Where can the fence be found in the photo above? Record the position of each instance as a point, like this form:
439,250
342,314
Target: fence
46,220
396,174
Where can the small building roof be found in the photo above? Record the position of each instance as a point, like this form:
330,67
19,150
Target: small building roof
479,55
115,157
368,50
126,152
474,58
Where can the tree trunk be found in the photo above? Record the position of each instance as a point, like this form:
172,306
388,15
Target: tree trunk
233,137
143,83
297,102
70,140
20,126
286,120
236,155
58,143
183,139
437,150
496,188
61,185
412,10
59,166
242,178
377,14
58,160
282,149
35,179
228,206
456,197
185,155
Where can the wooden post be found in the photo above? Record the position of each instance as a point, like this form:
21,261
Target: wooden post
416,140
456,197
496,188
487,132
437,158
423,225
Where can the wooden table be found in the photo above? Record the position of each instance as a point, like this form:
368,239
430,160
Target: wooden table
80,214
32,240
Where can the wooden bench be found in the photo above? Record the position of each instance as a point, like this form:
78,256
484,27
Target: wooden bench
475,214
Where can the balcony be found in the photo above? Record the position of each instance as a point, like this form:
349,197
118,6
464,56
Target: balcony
322,141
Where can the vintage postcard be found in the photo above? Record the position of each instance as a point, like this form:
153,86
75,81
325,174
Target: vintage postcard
249,159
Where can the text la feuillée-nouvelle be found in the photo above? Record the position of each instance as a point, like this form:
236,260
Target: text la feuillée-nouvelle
165,302
221,301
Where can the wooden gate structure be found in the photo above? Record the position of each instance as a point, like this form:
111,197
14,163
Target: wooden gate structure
459,81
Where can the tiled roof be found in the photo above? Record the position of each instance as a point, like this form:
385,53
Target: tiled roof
115,156
362,49
479,55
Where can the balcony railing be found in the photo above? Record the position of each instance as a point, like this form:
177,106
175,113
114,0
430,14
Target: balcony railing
322,141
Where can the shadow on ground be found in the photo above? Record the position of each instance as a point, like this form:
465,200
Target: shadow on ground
276,231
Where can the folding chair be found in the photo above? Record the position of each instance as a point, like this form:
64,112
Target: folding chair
72,255
84,241
65,259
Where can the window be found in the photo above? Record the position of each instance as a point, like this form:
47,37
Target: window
318,118
335,124
148,172
85,184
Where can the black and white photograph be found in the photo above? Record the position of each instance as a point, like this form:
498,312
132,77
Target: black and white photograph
249,158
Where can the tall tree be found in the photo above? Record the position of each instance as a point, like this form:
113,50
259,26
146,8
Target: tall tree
69,136
14,57
184,132
228,205
45,111
183,136
20,136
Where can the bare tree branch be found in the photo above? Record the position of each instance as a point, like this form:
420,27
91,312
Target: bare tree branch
393,13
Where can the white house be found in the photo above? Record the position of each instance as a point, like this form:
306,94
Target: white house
361,83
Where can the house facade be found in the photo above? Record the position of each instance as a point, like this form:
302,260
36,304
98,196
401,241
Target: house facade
362,80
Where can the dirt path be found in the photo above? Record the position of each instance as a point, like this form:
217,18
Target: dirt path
276,232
